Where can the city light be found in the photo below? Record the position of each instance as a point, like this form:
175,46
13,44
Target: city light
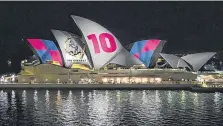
144,80
104,80
125,80
151,80
130,80
158,80
118,80
138,80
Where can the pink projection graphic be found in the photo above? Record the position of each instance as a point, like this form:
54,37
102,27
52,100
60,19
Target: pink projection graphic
102,40
37,44
149,46
56,56
46,50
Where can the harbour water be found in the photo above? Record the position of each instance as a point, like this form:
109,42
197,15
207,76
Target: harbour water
109,108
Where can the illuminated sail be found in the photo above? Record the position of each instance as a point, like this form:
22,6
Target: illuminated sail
103,45
124,58
46,50
147,51
156,52
191,61
197,60
72,48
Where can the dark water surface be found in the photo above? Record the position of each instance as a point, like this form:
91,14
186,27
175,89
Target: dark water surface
109,108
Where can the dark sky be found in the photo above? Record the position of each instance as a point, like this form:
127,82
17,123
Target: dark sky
187,26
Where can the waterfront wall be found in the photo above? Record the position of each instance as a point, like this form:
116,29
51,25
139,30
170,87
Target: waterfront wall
188,87
52,73
100,86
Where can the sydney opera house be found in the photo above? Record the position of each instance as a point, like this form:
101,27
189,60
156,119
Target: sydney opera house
98,56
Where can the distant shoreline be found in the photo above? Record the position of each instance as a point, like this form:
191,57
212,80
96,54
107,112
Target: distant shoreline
189,87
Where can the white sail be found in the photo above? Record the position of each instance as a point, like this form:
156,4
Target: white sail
103,45
197,60
124,58
72,48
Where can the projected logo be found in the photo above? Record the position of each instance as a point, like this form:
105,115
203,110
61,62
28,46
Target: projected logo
73,49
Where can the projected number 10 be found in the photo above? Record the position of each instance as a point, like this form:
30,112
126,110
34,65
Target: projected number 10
102,41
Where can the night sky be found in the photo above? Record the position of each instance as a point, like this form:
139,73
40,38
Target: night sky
187,26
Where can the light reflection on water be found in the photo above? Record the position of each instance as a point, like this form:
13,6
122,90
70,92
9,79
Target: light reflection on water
108,108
